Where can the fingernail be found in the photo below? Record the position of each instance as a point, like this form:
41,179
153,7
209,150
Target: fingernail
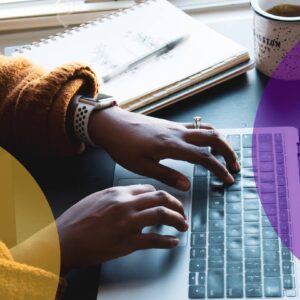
186,226
229,179
237,167
175,242
183,184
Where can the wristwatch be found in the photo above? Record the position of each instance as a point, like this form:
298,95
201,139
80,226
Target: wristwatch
83,111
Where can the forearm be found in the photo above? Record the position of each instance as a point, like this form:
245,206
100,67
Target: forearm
34,104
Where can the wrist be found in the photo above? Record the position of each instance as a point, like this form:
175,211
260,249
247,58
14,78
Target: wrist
101,122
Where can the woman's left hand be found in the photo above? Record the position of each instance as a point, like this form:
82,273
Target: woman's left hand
139,143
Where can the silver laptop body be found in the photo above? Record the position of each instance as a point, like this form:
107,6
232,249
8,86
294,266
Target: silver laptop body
249,261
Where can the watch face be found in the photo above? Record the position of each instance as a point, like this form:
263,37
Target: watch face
102,97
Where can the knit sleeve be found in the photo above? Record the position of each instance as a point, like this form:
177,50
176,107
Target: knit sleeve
20,281
33,104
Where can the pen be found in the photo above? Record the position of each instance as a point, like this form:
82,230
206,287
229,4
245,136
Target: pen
156,52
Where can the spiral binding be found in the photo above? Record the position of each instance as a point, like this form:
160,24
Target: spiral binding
84,26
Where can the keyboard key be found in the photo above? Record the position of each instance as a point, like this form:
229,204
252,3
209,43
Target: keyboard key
252,264
272,287
199,204
251,228
265,138
234,231
234,243
216,191
249,140
284,216
249,183
197,265
215,283
280,170
253,277
216,214
248,173
281,191
251,216
265,147
266,167
233,219
267,188
235,141
234,267
192,279
250,193
196,292
234,255
279,159
285,253
278,138
253,291
235,286
281,180
283,203
215,262
249,162
198,239
278,148
234,208
251,204
201,278
267,177
216,238
272,270
216,250
236,186
198,253
288,282
284,228
252,252
269,233
233,197
287,267
269,221
271,257
252,240
270,245
247,152
268,198
216,225
269,210
217,203
266,157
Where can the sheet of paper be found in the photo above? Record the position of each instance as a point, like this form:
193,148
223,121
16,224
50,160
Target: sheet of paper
115,41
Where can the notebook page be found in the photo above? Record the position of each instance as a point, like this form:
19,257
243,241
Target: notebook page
135,32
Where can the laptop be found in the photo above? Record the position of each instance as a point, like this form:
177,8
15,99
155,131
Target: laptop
232,249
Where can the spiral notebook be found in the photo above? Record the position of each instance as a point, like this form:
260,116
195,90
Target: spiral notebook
110,42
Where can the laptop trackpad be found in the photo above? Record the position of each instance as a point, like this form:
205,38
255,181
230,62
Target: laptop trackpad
184,197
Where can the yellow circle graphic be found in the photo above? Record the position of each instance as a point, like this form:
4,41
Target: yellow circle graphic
30,270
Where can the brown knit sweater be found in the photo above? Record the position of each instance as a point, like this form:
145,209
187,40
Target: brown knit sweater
33,109
33,104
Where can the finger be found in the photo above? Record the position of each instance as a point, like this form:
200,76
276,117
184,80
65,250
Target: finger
213,139
202,156
158,198
156,241
138,189
202,126
159,215
166,175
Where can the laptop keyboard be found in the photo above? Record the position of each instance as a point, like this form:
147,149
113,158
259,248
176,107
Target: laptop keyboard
235,251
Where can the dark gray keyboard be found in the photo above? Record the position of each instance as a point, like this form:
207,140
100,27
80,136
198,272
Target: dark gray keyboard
235,251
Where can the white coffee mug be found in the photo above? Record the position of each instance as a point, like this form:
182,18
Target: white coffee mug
274,37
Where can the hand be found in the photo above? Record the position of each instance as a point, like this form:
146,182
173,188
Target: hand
109,224
139,142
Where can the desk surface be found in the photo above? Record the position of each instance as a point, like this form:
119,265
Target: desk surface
66,181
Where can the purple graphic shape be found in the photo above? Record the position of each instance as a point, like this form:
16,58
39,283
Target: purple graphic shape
280,193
